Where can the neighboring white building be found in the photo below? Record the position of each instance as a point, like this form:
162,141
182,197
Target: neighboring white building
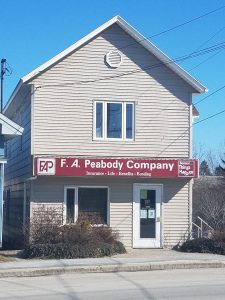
8,131
107,132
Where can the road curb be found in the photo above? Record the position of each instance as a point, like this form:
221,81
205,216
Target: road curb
153,266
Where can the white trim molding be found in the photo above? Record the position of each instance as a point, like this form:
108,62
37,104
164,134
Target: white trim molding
197,86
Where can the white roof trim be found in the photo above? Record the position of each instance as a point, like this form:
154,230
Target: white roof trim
138,37
131,31
16,90
10,128
69,49
161,56
3,161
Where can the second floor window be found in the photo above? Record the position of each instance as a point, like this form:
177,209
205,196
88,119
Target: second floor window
114,120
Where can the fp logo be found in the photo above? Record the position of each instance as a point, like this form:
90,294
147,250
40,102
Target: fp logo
46,166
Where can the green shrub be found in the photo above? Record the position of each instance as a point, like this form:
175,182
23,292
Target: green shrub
203,245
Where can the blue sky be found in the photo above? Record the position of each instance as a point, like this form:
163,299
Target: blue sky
33,31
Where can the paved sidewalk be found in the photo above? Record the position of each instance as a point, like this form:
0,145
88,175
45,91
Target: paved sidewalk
134,260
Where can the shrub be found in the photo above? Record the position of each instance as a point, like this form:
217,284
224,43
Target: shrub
219,236
44,226
61,250
82,239
203,245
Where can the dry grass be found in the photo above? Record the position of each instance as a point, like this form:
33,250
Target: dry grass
7,256
4,258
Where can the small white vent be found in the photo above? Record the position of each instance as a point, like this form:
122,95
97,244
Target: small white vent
114,58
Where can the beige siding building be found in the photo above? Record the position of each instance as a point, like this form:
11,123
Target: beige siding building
107,133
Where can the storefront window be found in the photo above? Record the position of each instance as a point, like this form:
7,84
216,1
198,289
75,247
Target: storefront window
70,205
92,204
88,203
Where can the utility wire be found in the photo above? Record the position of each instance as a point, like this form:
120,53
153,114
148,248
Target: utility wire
213,93
210,117
209,39
204,61
203,44
184,132
194,54
174,27
8,69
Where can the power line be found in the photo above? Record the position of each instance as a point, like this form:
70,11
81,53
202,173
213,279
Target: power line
204,61
210,117
8,70
216,91
184,132
179,59
209,39
204,43
174,27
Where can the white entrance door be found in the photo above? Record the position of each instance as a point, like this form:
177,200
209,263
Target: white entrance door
147,215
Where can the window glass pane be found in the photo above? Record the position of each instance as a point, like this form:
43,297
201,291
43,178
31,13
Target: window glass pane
92,203
114,120
70,205
147,213
99,119
129,121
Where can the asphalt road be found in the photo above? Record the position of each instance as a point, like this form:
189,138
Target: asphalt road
172,284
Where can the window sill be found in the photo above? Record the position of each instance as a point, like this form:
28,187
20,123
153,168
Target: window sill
113,140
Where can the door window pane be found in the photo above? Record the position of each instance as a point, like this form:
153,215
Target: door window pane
129,121
70,196
99,119
114,120
92,203
147,213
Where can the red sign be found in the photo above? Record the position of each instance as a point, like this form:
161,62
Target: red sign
68,166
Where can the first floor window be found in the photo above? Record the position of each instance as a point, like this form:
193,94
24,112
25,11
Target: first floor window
92,204
70,205
114,120
89,203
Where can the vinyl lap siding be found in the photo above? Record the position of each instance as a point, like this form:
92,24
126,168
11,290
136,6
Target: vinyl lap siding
17,169
19,163
63,102
175,211
51,192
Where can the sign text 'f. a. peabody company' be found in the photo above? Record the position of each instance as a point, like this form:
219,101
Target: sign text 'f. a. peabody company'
68,166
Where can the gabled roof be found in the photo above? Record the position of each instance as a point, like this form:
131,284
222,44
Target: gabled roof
9,128
133,33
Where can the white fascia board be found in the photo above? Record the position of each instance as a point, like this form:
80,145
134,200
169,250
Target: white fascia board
138,37
3,161
161,56
70,49
131,31
9,127
16,90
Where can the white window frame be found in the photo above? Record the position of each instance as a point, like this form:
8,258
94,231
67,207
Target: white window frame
104,121
76,187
